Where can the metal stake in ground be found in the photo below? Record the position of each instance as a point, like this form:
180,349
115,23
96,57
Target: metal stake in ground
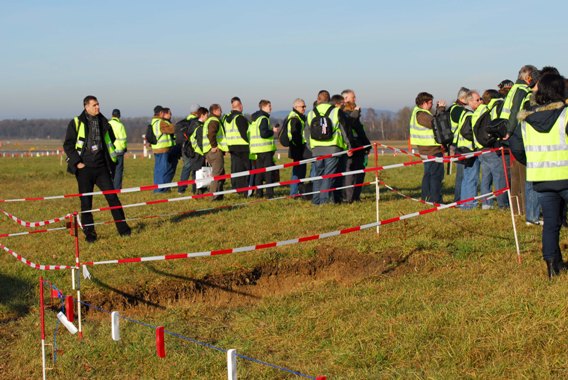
42,325
78,277
377,191
519,260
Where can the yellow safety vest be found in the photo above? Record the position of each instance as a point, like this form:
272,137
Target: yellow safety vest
232,134
221,144
80,129
120,135
256,142
506,111
420,135
291,116
547,153
462,141
164,140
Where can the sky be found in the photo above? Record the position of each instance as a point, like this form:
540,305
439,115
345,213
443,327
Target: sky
134,55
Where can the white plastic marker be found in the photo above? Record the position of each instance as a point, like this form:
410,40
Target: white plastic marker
115,330
232,364
68,325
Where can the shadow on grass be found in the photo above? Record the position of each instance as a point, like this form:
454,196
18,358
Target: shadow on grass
202,284
16,295
131,298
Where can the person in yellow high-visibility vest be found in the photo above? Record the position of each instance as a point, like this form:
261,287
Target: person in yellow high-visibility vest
119,146
544,127
422,136
262,145
89,146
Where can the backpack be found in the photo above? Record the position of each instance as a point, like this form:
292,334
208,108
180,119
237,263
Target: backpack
442,126
321,127
481,132
283,133
150,136
181,130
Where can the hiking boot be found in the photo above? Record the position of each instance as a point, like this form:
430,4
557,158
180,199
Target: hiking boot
554,267
90,236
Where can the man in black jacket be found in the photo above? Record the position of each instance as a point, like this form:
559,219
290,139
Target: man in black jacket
294,125
90,156
236,128
357,160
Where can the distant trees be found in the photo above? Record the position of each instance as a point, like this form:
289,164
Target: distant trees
379,126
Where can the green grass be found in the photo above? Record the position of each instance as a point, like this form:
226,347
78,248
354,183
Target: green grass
438,296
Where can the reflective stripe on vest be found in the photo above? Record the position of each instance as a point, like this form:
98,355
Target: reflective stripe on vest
221,144
337,138
232,134
164,140
292,115
193,140
547,153
420,135
462,141
80,129
508,105
257,143
120,135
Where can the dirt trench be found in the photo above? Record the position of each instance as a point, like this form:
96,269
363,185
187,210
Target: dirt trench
250,286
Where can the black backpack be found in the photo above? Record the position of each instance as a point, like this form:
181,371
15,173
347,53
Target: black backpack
481,132
283,134
150,136
442,126
321,127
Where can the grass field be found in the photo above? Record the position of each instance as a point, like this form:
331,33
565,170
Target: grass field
439,296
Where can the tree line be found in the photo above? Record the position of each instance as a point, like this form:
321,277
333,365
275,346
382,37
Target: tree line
379,126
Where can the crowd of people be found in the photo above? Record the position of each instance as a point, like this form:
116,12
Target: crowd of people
528,118
206,136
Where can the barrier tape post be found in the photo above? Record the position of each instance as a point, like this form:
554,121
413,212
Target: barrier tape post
519,259
232,364
160,344
377,190
76,269
42,325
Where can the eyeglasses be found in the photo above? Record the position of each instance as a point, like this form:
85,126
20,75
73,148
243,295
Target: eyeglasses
302,106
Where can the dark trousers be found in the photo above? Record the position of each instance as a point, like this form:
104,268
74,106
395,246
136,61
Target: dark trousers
355,162
552,203
87,178
240,162
432,181
264,160
118,171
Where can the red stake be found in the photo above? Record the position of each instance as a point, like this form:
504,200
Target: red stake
69,309
160,344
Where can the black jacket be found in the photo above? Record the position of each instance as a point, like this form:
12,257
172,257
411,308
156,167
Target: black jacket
74,157
359,137
242,125
542,119
296,149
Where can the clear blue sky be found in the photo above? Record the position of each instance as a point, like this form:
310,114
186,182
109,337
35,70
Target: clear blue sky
134,55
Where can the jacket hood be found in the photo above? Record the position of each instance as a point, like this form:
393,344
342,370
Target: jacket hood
542,116
258,114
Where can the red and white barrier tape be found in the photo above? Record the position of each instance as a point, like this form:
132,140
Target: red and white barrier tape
31,154
188,182
34,224
33,232
177,256
33,265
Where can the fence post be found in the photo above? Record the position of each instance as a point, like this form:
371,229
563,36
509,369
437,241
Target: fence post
115,329
232,364
160,344
377,191
519,259
78,278
42,325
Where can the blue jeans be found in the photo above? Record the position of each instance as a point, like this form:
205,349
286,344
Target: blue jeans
432,181
185,172
552,212
469,184
118,172
298,172
531,203
323,167
458,185
493,173
164,169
